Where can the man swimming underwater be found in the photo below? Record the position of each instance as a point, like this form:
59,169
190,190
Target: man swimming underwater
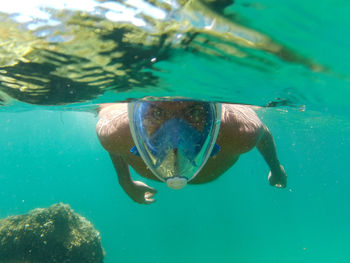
181,141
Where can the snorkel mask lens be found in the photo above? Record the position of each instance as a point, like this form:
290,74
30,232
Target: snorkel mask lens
174,145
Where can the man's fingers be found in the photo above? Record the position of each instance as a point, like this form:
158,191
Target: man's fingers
152,190
149,201
148,198
148,195
282,184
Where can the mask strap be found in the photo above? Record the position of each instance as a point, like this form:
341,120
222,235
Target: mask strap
215,151
134,151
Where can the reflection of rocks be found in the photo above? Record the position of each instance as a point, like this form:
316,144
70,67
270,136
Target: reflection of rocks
54,234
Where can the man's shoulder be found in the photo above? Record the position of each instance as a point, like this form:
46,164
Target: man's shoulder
109,110
238,114
240,128
113,127
113,119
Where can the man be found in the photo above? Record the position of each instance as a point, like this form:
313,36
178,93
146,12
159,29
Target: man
240,131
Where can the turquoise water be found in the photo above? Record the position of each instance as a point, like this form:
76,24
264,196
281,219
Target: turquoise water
51,153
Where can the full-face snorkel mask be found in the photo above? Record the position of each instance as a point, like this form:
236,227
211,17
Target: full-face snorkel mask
175,146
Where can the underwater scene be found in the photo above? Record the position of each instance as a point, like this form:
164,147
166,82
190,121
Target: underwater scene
174,131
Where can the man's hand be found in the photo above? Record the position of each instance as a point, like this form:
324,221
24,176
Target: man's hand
278,178
141,193
138,191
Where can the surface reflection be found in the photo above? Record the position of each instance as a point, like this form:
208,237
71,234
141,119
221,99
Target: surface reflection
73,54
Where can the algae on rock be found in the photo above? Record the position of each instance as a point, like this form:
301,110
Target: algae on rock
54,234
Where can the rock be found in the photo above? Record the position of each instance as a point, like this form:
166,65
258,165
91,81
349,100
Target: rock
54,234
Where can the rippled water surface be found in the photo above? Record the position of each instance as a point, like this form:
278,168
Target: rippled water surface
59,60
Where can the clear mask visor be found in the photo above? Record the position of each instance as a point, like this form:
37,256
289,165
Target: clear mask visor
174,146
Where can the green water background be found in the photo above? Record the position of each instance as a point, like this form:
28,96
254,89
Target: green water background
55,156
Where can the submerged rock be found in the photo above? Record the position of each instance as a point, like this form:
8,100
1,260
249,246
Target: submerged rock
54,234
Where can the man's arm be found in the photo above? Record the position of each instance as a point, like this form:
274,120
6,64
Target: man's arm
266,145
137,190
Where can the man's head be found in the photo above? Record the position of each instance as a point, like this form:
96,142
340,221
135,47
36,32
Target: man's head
193,112
174,138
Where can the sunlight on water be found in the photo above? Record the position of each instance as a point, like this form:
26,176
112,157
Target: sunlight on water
64,52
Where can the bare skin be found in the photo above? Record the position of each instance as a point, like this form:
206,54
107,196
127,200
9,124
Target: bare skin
241,130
